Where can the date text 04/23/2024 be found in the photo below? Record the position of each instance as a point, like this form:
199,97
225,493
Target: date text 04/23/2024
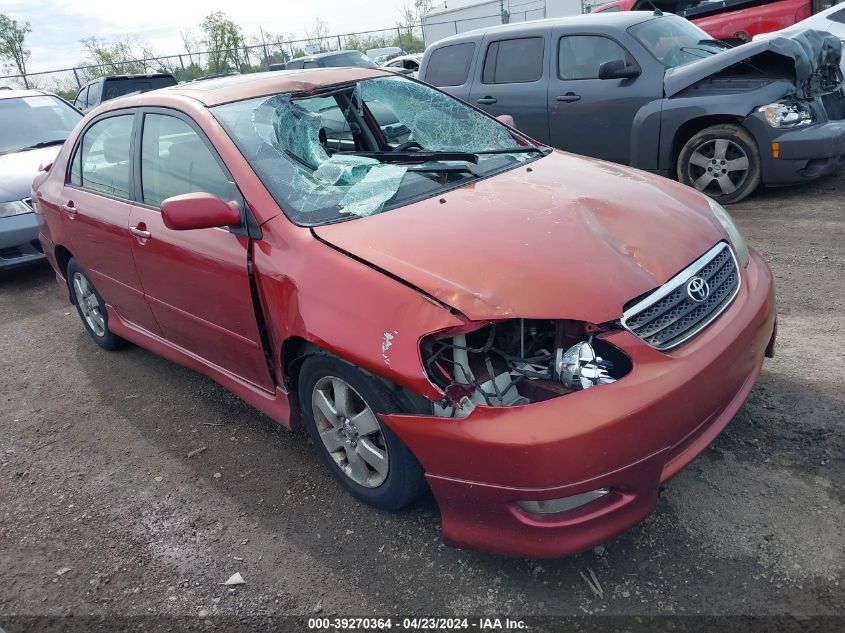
416,624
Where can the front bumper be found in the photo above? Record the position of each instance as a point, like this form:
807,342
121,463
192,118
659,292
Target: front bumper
629,436
804,154
19,243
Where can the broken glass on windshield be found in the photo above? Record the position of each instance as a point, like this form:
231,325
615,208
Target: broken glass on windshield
366,146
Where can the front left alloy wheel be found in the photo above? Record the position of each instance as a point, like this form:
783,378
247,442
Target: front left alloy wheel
340,404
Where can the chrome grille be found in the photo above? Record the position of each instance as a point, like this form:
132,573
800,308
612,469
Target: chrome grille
669,316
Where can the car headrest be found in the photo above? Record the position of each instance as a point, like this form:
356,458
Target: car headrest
116,149
186,151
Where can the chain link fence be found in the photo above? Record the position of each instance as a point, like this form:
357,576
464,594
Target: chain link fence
189,65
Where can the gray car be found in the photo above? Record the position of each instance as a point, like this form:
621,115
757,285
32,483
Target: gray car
33,126
655,92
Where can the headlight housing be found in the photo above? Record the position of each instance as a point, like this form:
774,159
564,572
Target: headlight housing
15,207
783,115
735,237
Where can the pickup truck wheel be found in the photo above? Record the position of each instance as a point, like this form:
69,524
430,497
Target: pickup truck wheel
91,307
722,161
339,408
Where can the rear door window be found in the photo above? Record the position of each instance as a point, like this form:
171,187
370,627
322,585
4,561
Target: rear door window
580,56
513,61
449,65
101,162
175,160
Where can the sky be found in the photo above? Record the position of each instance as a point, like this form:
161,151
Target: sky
59,25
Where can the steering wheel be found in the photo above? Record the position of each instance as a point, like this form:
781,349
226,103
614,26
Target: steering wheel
407,145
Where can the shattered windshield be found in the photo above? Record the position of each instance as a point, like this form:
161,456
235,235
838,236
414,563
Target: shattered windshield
366,147
675,41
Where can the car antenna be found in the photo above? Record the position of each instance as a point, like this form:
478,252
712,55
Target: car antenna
657,12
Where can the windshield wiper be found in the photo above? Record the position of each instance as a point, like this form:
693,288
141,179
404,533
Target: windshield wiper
522,149
445,169
718,43
57,141
422,156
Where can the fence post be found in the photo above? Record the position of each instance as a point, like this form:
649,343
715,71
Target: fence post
76,75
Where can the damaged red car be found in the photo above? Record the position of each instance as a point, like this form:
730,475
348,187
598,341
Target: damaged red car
539,338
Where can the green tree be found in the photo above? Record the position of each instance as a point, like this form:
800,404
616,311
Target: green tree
124,56
411,15
223,41
13,50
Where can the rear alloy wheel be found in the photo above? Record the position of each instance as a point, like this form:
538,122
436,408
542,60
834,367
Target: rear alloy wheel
91,307
721,161
340,407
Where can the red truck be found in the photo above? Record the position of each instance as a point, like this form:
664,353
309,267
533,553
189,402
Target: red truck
734,21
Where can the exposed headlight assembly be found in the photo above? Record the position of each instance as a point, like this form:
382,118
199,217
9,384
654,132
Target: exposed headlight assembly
735,237
787,115
16,207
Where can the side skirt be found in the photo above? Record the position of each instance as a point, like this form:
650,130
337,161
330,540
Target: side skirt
276,405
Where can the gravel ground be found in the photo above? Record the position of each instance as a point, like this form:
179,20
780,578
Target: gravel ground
102,512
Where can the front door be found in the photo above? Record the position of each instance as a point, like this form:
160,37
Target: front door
593,116
196,282
96,207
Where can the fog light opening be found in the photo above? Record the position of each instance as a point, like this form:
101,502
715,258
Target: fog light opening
554,506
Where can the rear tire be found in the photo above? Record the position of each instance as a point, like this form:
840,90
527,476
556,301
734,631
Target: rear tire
339,403
91,307
722,161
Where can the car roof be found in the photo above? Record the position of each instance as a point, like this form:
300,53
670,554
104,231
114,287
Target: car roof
238,87
13,94
614,19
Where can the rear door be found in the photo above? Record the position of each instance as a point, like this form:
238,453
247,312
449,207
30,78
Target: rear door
513,79
95,203
593,116
196,282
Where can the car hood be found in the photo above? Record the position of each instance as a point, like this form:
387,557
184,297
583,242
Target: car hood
806,52
561,237
18,170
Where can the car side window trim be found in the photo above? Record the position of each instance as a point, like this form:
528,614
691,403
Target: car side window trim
77,148
556,60
137,140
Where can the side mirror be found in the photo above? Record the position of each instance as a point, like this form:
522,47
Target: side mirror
507,119
617,69
198,211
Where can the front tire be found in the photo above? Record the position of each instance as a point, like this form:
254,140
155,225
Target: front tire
722,161
339,406
91,307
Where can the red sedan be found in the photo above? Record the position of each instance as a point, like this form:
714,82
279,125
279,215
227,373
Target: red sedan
540,339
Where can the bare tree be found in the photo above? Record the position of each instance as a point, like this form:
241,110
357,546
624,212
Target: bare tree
13,50
318,33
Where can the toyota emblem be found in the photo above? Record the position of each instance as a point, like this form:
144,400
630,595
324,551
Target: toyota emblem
698,289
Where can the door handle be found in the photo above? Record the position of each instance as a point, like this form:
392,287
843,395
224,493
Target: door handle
70,209
140,231
569,97
486,100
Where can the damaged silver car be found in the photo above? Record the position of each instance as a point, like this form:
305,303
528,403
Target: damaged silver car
656,92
